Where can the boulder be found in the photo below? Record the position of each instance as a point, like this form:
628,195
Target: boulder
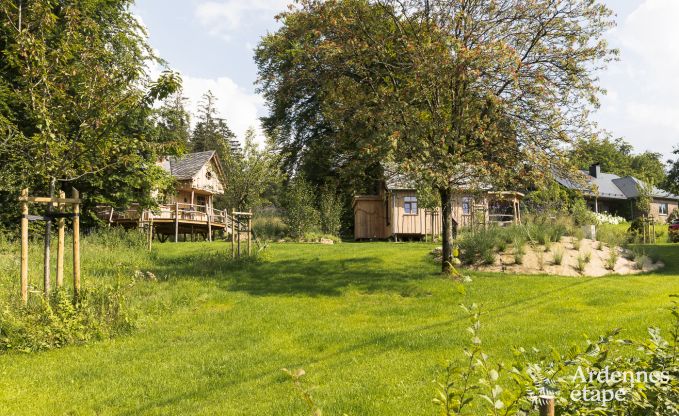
326,241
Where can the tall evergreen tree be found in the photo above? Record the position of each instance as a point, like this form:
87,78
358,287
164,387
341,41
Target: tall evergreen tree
211,131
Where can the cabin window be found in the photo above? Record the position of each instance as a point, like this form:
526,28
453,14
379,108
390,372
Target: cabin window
208,175
662,209
410,205
466,205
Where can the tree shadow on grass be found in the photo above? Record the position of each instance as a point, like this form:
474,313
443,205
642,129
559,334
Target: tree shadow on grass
299,276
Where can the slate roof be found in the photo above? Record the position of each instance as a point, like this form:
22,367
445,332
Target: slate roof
187,166
613,186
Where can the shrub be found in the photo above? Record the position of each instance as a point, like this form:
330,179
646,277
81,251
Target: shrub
576,243
478,246
481,386
581,263
612,259
557,256
300,206
330,209
269,227
599,245
581,214
518,258
587,257
548,243
541,260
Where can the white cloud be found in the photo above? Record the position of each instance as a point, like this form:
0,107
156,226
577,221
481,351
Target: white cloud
222,18
644,85
237,106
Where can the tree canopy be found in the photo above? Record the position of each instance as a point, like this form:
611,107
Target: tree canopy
458,93
76,103
617,156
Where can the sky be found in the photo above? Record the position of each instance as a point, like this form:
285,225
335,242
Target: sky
211,42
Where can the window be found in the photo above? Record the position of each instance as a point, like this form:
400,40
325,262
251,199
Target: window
410,205
662,209
208,175
466,205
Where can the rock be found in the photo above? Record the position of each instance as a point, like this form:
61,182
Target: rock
326,241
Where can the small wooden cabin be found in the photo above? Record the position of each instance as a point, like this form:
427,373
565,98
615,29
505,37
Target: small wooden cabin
393,213
190,211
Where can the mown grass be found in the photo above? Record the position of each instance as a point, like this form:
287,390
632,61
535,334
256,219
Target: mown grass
371,323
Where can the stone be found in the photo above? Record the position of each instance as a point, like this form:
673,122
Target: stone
326,241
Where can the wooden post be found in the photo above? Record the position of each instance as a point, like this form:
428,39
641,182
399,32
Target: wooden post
76,246
233,233
48,244
250,235
176,222
150,232
546,406
209,224
110,217
239,237
24,247
60,244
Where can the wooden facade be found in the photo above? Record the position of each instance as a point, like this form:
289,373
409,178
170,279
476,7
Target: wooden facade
190,210
391,213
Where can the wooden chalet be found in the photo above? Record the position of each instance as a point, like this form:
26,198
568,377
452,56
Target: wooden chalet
393,213
190,211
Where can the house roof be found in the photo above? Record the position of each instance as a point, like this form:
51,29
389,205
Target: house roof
187,166
608,185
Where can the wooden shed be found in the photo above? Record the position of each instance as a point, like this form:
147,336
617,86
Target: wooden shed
393,213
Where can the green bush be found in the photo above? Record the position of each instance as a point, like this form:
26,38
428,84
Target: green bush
330,209
269,227
557,256
300,205
482,386
478,246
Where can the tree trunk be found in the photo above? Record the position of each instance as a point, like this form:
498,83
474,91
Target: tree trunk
449,229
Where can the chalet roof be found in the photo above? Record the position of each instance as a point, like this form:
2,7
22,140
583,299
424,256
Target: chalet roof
612,186
187,166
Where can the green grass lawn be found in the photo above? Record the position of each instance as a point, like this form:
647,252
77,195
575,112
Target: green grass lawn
371,323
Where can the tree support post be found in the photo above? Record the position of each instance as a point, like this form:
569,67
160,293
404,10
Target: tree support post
233,235
48,243
250,235
176,222
76,246
24,246
546,406
60,243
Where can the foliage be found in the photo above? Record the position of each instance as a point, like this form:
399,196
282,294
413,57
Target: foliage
494,388
211,131
550,199
330,210
469,116
251,175
301,215
642,203
580,264
617,157
612,235
269,227
671,182
557,256
478,246
673,236
581,214
76,105
612,258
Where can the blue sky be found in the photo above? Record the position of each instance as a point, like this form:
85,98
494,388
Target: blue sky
210,42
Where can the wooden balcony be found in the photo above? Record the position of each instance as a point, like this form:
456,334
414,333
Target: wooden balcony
170,219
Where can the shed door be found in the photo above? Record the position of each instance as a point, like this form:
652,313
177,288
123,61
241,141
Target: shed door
368,222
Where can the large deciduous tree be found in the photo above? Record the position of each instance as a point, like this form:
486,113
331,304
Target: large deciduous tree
76,103
460,93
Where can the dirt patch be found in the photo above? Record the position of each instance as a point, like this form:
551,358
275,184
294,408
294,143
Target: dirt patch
537,260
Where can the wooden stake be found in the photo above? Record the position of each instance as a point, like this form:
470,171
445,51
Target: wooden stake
250,235
209,227
24,247
76,246
546,404
233,235
150,232
48,245
60,245
239,238
176,222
